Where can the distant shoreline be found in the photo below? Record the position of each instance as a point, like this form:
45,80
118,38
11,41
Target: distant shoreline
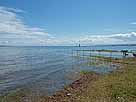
65,45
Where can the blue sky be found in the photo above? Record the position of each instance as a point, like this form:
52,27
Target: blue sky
65,22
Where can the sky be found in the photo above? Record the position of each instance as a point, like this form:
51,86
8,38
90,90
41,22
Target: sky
67,22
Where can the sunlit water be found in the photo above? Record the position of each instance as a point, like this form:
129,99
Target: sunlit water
43,70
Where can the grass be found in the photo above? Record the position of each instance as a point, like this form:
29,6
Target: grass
2,81
117,86
103,50
14,96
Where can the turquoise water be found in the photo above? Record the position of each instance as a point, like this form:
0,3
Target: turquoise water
44,70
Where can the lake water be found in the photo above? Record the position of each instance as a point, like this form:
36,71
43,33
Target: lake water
44,70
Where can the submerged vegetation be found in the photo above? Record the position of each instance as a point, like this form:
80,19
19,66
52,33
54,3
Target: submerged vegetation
116,86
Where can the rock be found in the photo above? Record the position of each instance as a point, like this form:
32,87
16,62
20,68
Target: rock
68,94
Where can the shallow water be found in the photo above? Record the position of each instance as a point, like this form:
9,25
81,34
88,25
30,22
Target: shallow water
44,70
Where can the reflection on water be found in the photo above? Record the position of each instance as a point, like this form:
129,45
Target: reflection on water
42,69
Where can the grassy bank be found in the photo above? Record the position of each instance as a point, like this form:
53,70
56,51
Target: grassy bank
117,86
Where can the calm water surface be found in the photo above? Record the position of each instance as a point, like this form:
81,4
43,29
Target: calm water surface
44,70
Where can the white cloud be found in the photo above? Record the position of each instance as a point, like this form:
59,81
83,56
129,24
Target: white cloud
12,9
133,23
16,32
124,38
12,28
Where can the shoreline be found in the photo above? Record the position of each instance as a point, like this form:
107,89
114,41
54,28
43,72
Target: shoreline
77,86
118,85
74,91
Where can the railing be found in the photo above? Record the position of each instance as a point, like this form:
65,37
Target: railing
103,57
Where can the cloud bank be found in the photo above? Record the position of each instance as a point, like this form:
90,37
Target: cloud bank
14,31
123,38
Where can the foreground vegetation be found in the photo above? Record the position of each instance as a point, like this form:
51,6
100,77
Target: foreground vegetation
117,86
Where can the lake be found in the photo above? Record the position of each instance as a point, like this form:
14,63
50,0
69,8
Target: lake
43,70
